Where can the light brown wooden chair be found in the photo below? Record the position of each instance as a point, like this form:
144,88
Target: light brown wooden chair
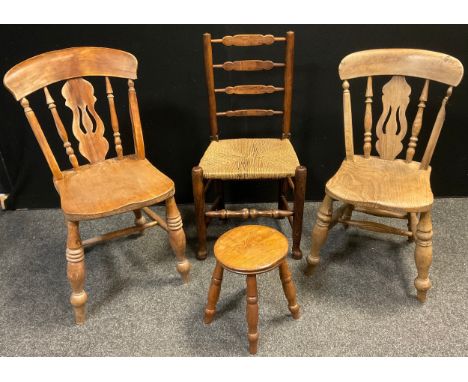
384,185
249,158
104,187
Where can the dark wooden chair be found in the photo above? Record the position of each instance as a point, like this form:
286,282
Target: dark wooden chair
103,187
384,185
249,158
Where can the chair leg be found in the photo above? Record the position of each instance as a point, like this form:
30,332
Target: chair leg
300,179
319,233
76,271
347,213
219,191
213,293
252,313
282,191
289,289
177,237
423,255
412,225
139,219
199,201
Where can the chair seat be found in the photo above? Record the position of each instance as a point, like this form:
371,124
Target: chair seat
251,249
244,158
110,187
378,183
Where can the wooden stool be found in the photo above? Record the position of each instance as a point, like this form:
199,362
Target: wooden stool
250,250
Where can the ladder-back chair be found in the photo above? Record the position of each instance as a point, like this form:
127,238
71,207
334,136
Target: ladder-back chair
383,185
249,158
103,187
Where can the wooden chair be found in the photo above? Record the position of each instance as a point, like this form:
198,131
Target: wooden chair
249,159
104,187
383,185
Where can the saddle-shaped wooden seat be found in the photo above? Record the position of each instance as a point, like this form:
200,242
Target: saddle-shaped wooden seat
117,185
378,183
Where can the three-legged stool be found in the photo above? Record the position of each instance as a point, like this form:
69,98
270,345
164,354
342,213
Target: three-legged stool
250,250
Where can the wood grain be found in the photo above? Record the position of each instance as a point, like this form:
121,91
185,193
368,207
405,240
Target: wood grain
377,183
79,97
249,89
47,68
249,113
251,249
417,124
110,182
248,65
402,62
114,119
247,40
392,125
61,129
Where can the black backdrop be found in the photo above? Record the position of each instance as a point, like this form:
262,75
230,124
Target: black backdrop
173,101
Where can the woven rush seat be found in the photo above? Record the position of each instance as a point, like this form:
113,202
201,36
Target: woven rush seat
249,158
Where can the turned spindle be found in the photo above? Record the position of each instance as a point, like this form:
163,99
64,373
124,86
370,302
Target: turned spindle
252,313
61,129
348,121
114,119
417,123
368,119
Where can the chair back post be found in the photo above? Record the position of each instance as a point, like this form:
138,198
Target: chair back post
136,122
209,75
348,122
288,84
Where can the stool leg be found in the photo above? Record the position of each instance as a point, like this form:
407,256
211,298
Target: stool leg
213,293
289,289
252,313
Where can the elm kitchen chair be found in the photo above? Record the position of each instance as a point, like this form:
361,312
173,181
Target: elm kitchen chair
249,158
383,185
104,187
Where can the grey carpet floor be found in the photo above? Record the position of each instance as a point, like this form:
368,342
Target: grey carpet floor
360,302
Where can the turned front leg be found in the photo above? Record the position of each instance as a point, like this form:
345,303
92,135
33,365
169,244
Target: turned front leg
423,255
252,313
199,201
289,289
300,179
320,233
213,293
177,237
76,271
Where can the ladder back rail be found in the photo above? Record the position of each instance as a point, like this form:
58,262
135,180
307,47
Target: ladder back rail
248,65
249,113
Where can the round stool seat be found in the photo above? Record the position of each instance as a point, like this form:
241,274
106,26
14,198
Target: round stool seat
251,249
